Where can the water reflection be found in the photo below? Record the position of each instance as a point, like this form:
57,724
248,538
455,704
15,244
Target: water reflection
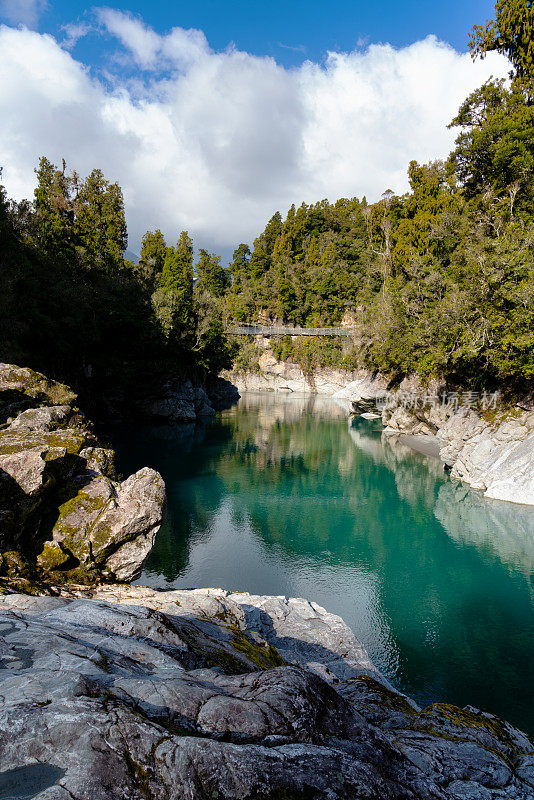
281,495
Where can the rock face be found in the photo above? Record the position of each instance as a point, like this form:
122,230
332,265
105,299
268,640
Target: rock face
288,376
496,456
63,516
491,450
177,400
205,694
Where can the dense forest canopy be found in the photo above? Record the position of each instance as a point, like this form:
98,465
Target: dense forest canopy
439,281
73,307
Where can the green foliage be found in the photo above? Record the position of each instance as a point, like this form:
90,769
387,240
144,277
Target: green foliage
153,250
55,207
305,269
74,309
211,275
313,352
173,298
510,33
100,224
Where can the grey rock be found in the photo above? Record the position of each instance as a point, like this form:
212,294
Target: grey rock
183,696
63,517
45,419
178,401
26,468
491,452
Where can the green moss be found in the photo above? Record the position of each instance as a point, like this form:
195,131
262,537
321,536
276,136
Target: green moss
465,719
139,775
263,657
51,557
15,442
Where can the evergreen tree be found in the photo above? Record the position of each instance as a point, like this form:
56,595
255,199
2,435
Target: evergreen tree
101,223
511,33
153,250
173,299
211,275
55,205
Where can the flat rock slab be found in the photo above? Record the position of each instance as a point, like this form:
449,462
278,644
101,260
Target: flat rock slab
208,694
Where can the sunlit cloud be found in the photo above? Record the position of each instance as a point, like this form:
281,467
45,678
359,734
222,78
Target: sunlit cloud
216,142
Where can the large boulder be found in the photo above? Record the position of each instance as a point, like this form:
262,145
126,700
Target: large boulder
63,516
21,388
205,694
176,400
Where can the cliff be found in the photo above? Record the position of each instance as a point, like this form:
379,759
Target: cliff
485,443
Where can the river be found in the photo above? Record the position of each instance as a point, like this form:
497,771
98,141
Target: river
284,495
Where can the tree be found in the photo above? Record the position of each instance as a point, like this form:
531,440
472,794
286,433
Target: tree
512,34
101,222
153,250
55,205
173,298
211,275
495,149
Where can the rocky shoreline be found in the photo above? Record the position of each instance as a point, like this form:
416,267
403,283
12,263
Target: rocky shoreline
209,694
490,449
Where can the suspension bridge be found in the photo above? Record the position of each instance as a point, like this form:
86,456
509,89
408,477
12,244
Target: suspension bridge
284,330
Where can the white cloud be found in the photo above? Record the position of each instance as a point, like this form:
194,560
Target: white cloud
25,12
74,31
180,47
216,142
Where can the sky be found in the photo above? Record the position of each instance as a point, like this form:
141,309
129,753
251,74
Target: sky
213,115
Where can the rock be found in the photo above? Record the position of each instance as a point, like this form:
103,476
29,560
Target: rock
490,450
177,401
60,508
124,533
496,457
222,393
183,696
288,376
26,468
22,388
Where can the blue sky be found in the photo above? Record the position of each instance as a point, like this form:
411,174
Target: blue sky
288,31
212,116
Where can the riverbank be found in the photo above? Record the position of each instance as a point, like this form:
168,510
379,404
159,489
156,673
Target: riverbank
481,440
205,693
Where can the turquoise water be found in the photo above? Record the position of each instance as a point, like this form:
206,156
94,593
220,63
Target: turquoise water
283,495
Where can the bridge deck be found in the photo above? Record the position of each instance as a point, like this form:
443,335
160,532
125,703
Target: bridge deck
284,330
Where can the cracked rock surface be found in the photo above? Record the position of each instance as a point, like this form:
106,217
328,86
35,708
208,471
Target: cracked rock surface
206,694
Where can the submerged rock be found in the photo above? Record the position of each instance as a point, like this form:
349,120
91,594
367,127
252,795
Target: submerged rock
208,694
61,510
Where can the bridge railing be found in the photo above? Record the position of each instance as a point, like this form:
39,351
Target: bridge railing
284,330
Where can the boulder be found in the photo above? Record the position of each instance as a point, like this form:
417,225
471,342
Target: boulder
21,388
177,401
60,508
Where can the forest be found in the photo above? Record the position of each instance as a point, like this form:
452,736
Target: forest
438,281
